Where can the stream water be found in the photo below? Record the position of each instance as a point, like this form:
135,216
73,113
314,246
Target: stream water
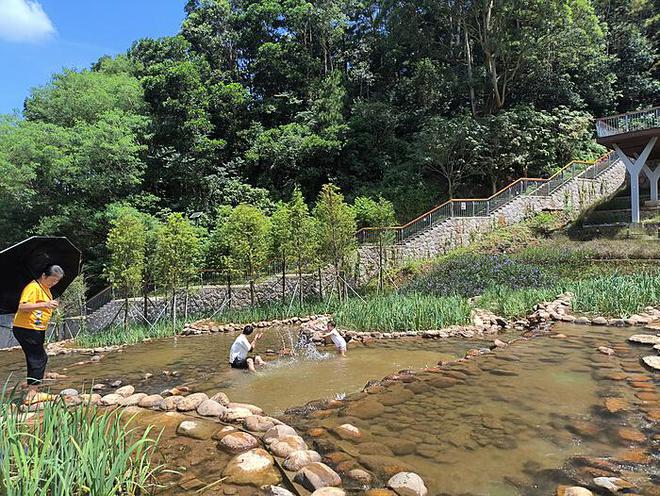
201,363
516,422
519,421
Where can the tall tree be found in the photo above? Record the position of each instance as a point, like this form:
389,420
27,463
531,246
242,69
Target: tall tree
336,227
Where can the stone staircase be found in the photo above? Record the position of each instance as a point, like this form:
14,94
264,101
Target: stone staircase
574,188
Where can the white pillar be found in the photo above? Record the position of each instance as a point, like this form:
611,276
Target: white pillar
654,177
634,168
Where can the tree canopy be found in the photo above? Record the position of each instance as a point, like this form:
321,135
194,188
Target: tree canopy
414,101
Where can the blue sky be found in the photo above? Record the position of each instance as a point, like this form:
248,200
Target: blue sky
38,38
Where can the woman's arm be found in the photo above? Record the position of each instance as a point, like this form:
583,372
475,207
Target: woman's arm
26,307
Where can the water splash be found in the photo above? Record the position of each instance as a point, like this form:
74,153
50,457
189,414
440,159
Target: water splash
301,346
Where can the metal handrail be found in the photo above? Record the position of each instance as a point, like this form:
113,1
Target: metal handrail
629,122
483,207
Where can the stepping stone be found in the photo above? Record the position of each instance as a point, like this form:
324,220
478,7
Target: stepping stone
644,339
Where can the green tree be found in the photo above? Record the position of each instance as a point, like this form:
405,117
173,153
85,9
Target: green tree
336,228
177,256
246,231
280,233
303,237
126,243
219,253
380,217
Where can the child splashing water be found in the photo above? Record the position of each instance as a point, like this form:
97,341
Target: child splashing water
337,339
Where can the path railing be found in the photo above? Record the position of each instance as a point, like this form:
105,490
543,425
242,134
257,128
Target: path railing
627,123
483,207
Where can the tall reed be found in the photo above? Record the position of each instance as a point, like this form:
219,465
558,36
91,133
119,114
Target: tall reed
75,452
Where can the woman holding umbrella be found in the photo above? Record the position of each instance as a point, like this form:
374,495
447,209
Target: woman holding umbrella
35,309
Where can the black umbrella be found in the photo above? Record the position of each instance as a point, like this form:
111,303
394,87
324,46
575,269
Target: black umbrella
27,260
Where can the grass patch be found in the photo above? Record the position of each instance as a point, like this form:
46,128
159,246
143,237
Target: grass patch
395,312
512,303
134,333
615,295
74,453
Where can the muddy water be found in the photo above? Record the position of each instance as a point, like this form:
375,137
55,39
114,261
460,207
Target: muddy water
201,362
510,423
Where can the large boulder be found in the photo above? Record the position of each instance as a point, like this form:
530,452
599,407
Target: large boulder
191,402
317,475
301,458
132,400
196,429
111,399
211,408
169,404
221,398
150,401
237,442
257,423
125,391
329,491
254,409
255,467
407,484
287,445
278,432
644,339
235,414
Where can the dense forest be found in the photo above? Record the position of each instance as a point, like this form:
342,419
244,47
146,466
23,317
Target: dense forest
414,101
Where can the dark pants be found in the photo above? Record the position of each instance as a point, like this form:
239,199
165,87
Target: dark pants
36,357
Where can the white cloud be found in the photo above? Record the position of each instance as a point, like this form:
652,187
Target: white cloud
24,20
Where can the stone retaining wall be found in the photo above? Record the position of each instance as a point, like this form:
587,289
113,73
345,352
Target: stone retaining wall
574,196
209,299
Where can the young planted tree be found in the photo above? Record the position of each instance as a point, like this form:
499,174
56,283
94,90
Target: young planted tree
246,231
280,232
177,255
219,255
336,230
378,214
126,244
303,239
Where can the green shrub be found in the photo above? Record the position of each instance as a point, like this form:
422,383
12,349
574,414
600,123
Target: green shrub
615,295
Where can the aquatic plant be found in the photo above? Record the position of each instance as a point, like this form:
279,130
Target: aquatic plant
472,274
117,334
73,452
397,312
511,303
616,295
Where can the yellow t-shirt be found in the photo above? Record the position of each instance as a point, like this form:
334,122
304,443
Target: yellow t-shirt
34,319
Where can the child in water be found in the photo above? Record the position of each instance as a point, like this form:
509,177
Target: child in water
337,339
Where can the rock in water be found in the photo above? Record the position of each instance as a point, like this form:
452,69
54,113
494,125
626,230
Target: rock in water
150,401
407,484
133,399
69,392
254,467
221,398
573,491
211,408
237,442
652,361
125,391
257,423
613,484
287,445
111,399
195,430
644,339
317,475
301,458
191,402
278,432
329,491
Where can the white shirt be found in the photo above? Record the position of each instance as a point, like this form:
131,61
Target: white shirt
240,348
337,338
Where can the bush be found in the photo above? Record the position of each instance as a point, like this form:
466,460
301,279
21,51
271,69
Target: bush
471,275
